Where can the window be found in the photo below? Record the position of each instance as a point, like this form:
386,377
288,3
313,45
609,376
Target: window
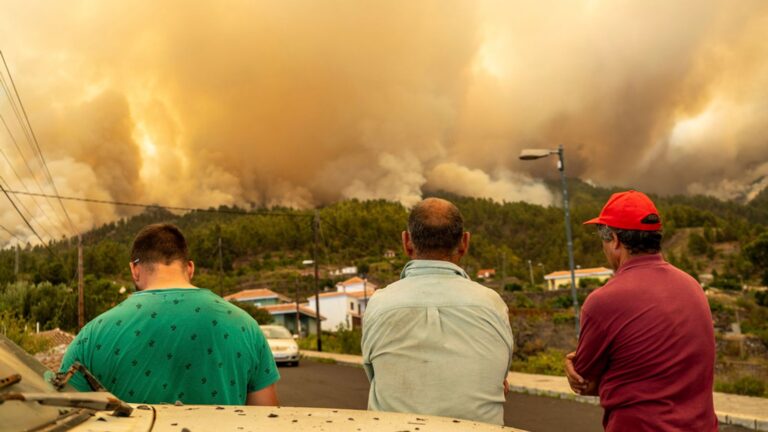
352,306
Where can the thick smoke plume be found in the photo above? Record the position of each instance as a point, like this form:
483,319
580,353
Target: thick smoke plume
300,103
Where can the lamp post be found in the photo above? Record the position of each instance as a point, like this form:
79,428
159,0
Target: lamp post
533,154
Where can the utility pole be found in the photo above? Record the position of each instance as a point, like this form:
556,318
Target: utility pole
221,264
503,269
80,288
298,314
365,296
530,270
315,242
16,264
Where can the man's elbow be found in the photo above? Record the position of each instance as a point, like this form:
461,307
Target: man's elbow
264,397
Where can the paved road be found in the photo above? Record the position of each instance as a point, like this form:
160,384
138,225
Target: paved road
323,385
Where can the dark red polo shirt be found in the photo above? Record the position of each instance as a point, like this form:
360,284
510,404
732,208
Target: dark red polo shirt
647,337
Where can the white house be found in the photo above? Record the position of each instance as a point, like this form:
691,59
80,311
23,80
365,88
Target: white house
344,271
562,279
345,306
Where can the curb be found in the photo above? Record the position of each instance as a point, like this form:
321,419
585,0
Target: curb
723,417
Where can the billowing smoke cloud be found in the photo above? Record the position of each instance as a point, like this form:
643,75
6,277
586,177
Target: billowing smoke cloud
301,103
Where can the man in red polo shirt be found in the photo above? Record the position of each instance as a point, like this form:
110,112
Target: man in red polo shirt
647,344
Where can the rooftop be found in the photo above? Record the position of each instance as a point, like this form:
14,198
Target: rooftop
255,294
585,272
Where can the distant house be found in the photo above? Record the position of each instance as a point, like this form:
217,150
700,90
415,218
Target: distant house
355,284
345,306
486,273
285,315
562,279
389,253
344,271
258,297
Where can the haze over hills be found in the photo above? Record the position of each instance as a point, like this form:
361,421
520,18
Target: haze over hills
307,104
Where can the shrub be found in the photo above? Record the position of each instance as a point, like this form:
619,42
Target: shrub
549,362
523,301
17,330
746,385
513,287
343,341
562,318
761,297
561,302
262,316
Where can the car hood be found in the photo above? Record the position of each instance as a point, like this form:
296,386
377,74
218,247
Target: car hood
169,418
282,343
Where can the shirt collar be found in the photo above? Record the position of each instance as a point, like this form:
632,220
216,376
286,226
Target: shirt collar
641,261
431,267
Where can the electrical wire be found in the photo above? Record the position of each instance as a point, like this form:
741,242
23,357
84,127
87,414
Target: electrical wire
37,145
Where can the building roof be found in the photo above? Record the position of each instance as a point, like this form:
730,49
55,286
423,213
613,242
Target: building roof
56,337
288,308
360,294
585,272
356,281
255,294
351,281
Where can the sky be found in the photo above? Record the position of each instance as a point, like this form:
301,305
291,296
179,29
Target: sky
302,103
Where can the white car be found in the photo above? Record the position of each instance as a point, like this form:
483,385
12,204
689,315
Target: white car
282,343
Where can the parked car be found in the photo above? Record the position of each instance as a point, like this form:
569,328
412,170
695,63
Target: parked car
283,344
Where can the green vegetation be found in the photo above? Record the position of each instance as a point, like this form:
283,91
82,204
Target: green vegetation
265,248
17,330
343,341
547,362
745,385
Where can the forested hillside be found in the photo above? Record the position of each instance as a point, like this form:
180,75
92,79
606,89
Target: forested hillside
265,247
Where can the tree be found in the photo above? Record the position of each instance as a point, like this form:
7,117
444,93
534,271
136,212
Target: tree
262,316
757,253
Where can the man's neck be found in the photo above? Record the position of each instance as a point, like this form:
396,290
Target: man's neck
165,281
436,257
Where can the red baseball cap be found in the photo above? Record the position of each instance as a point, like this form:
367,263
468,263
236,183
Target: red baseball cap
630,210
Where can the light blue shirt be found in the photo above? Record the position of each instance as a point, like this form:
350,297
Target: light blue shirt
436,343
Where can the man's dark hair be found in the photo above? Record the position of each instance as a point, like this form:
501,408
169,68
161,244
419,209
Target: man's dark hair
159,243
435,226
636,241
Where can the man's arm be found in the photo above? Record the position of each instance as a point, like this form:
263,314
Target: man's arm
264,397
578,384
585,367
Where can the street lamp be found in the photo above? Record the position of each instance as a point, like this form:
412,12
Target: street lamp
533,154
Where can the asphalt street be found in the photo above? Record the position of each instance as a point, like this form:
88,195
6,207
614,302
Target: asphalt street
323,385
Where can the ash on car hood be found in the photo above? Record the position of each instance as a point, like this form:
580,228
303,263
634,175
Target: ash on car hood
251,418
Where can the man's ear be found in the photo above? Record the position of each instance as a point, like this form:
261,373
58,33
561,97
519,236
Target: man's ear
135,272
407,244
463,244
190,269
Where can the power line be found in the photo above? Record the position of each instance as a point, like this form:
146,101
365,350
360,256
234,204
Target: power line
189,209
29,213
37,145
21,182
16,143
25,220
12,234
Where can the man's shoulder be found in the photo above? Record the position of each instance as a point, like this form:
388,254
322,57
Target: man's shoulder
446,291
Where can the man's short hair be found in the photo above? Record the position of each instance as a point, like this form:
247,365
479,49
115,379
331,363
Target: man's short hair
636,241
435,230
159,243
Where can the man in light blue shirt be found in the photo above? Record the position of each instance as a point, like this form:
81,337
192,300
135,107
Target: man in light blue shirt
435,342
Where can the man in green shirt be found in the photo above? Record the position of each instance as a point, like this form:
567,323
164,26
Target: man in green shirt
172,341
435,342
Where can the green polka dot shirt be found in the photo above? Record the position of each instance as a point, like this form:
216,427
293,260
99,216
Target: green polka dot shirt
178,344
